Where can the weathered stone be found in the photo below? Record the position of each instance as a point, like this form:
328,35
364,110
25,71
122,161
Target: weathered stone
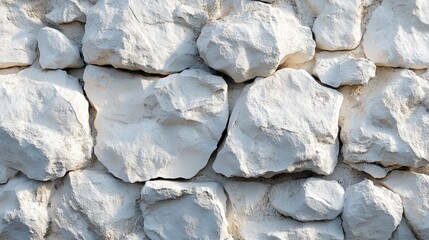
67,11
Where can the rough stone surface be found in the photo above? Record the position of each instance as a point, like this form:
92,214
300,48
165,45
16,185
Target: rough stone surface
338,24
309,199
24,209
414,191
157,127
397,34
385,122
92,204
337,70
153,36
57,51
254,43
283,123
403,231
44,124
185,210
67,11
370,212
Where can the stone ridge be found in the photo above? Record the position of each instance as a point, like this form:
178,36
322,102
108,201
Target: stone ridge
214,119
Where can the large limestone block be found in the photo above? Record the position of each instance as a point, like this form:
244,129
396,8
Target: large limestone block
253,43
24,209
150,127
338,23
414,191
92,204
386,122
178,210
309,199
57,51
44,124
284,123
151,35
397,34
370,212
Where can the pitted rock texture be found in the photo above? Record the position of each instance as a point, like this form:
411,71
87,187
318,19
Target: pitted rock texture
284,123
158,127
44,124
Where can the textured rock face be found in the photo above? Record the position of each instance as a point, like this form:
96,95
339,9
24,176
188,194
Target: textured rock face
186,210
67,11
397,34
310,199
370,212
414,191
270,131
24,209
153,36
385,122
57,51
159,127
92,204
254,43
44,124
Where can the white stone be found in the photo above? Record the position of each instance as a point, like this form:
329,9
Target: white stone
156,127
67,11
397,34
57,51
339,70
24,209
374,170
284,123
153,36
309,199
370,212
254,43
338,24
92,204
414,191
6,173
252,217
385,122
44,124
403,232
178,210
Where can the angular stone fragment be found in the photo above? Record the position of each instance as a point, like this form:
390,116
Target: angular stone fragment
151,35
310,199
397,34
24,209
44,124
150,127
284,123
178,210
252,217
386,122
57,51
338,70
370,212
92,204
414,191
254,43
67,11
403,231
338,24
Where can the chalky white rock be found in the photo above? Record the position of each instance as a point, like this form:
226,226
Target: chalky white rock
310,199
57,51
179,210
284,123
92,204
397,34
255,43
150,127
44,124
414,191
385,122
370,212
67,11
403,231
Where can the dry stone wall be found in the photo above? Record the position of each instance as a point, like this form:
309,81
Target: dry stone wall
214,119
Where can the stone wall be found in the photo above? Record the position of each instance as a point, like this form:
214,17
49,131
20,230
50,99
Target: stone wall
214,119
